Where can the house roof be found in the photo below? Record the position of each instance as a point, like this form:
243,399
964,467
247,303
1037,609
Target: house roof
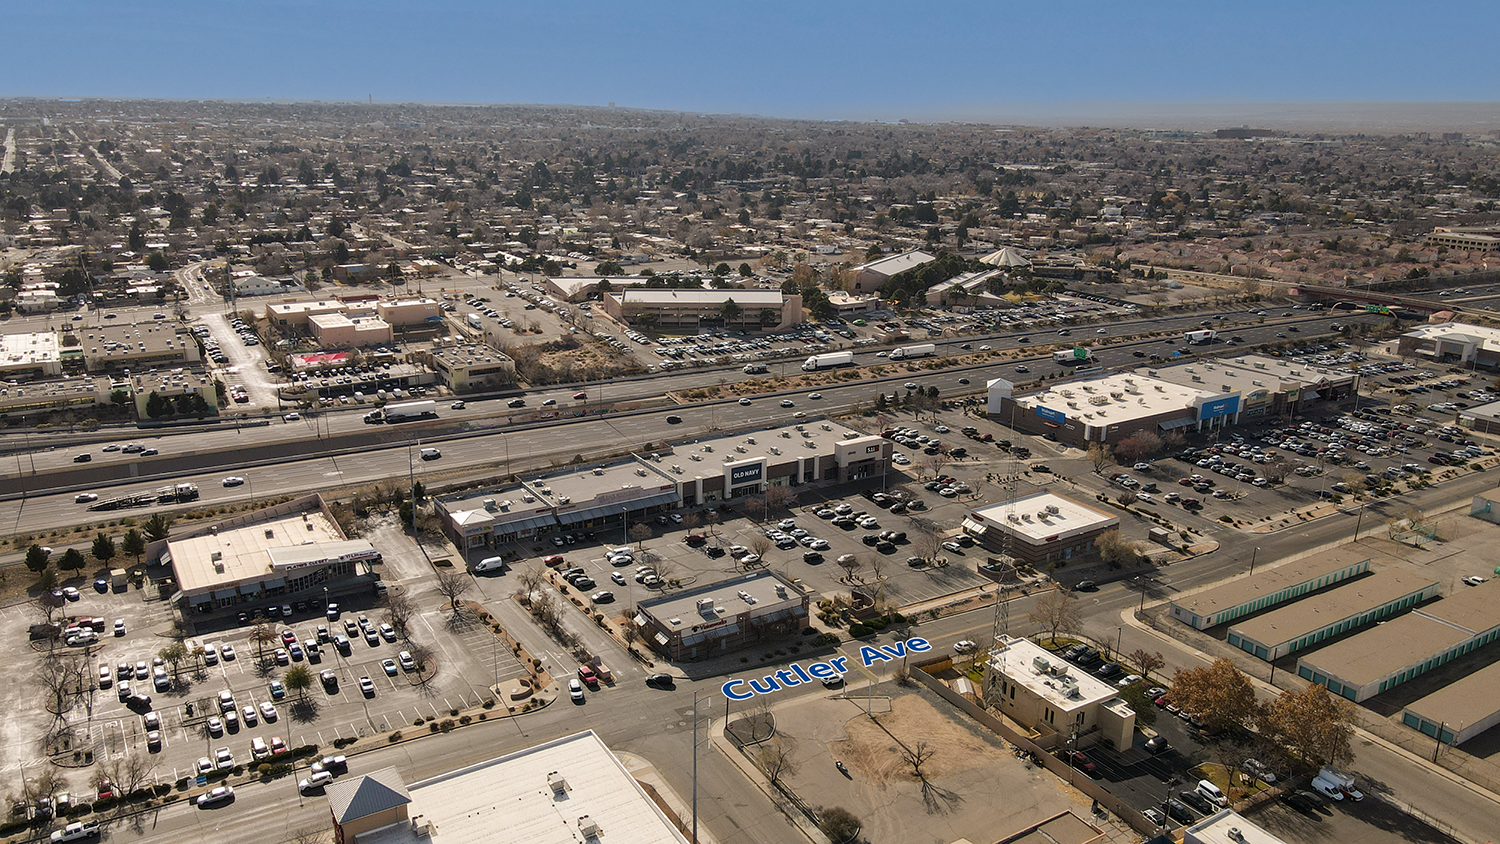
367,795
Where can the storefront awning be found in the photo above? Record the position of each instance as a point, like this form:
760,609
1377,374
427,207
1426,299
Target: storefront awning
199,599
1175,424
1310,395
274,583
590,514
529,523
221,594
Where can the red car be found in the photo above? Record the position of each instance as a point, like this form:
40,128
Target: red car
587,675
580,396
1083,763
554,560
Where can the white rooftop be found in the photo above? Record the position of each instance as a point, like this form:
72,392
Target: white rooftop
1227,826
29,348
898,263
1247,374
1116,399
238,551
744,298
1047,675
548,794
1458,332
1035,520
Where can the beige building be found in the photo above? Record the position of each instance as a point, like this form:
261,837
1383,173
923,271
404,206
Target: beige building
113,348
470,367
1039,690
338,331
30,356
707,620
870,276
407,312
291,551
680,310
1040,529
295,315
1471,239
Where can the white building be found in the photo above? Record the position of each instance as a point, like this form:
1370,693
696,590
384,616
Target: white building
1039,690
1041,529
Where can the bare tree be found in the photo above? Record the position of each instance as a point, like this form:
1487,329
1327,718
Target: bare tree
640,532
690,521
531,579
774,758
759,546
128,773
308,835
399,610
916,756
850,564
60,679
1055,611
1099,456
1146,661
925,539
452,585
779,497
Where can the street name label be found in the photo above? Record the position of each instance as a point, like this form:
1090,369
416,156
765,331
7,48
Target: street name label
796,675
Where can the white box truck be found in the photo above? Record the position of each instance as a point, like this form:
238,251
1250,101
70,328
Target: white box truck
828,361
922,351
1200,338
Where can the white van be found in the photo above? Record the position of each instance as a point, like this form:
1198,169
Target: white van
489,564
1212,793
431,454
622,551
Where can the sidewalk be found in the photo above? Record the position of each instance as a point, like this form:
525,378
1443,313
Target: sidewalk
667,799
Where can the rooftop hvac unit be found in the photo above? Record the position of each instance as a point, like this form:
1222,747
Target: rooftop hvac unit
489,504
642,472
786,434
810,444
563,499
557,782
825,426
780,590
1043,515
739,449
587,827
1188,369
1052,508
1070,689
708,448
750,440
528,498
1013,517
1234,834
747,597
695,457
775,450
1040,664
728,459
676,469
705,606
1226,388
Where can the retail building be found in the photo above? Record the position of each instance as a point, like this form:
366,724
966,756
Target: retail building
709,620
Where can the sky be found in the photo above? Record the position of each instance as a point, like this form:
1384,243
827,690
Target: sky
824,59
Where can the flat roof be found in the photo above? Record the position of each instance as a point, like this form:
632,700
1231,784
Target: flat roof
1035,521
241,547
898,263
1366,658
28,348
1115,399
1016,658
1348,599
469,355
1469,700
1476,608
756,593
510,800
1268,581
1246,374
318,306
1461,332
1227,826
680,296
681,463
123,341
572,285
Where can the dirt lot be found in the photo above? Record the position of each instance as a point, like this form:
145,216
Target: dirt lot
967,768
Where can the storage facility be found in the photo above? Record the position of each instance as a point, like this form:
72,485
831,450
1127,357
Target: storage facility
1460,710
1268,588
1312,620
1378,660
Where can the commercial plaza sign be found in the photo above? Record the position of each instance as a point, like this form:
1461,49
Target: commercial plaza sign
796,675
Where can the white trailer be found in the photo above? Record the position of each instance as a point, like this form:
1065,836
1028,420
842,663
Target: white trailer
922,351
1199,338
828,361
1074,355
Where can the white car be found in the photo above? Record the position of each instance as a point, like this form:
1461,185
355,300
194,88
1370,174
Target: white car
316,782
900,459
965,646
85,497
575,690
233,480
223,759
268,711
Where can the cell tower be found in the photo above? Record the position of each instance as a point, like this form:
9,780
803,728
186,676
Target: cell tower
1001,623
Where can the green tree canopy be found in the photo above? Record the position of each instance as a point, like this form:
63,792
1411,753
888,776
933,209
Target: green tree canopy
72,560
134,544
104,548
158,527
36,558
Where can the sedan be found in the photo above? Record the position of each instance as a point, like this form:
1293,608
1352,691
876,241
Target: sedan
964,646
268,712
1023,368
390,667
910,385
787,403
617,577
85,497
233,480
603,596
222,794
815,396
744,402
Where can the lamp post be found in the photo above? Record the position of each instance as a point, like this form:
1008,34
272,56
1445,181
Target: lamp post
1253,555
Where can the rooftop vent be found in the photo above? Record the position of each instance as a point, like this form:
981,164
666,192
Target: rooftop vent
587,827
558,783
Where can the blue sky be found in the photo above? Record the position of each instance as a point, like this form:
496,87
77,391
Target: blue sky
816,59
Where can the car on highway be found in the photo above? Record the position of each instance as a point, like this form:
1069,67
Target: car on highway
85,497
233,480
458,405
744,402
674,420
815,396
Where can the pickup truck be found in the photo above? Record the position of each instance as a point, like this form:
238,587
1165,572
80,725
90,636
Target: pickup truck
76,831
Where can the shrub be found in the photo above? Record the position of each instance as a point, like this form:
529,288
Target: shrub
809,631
464,720
446,725
305,750
417,723
825,640
489,704
857,630
395,737
432,727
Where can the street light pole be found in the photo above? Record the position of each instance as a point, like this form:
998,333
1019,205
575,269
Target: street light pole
1253,555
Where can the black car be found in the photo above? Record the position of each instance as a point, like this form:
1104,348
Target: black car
1085,586
1178,811
812,557
1302,801
660,681
714,551
1108,669
1157,744
674,420
1198,801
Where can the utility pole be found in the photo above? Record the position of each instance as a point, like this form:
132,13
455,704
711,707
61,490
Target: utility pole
695,759
1253,555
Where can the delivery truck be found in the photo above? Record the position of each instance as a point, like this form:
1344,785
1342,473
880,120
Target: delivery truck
922,351
1075,355
1201,338
403,412
828,361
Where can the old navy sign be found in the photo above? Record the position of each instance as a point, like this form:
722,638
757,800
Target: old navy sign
745,474
796,675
